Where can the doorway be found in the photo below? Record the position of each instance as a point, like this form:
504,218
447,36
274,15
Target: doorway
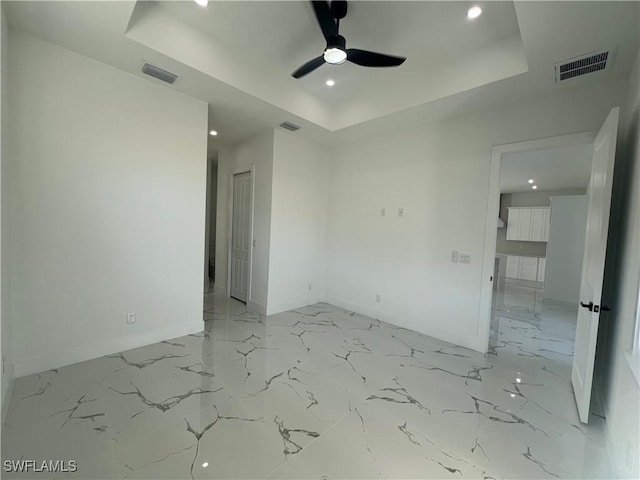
542,335
539,253
241,222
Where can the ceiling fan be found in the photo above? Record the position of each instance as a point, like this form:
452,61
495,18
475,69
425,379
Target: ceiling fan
329,16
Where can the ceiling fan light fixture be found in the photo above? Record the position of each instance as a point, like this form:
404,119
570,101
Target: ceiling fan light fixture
335,56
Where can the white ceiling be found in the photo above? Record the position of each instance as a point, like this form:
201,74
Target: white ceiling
238,56
551,168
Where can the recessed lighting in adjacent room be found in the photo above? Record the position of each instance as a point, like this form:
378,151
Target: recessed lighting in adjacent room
474,12
202,3
330,83
213,133
530,181
535,187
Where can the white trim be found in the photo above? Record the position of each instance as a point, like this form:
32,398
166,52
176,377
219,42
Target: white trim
108,347
493,210
239,171
407,323
293,304
256,307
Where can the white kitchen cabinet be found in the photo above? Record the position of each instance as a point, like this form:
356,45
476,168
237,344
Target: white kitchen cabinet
525,268
537,228
546,223
513,223
513,266
528,224
542,265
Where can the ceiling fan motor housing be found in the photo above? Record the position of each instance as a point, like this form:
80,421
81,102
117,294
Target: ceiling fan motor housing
337,42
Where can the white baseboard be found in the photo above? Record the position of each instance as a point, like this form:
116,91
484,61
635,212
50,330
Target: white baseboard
6,395
256,307
472,343
293,304
107,347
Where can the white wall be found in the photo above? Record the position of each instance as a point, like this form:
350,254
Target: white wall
618,388
298,223
256,153
565,249
439,174
107,177
6,344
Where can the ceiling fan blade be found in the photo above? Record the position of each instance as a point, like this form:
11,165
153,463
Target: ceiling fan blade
308,67
373,59
325,19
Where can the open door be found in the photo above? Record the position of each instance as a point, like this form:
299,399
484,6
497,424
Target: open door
599,193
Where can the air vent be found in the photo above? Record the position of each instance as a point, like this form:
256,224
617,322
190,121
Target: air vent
160,74
584,64
290,126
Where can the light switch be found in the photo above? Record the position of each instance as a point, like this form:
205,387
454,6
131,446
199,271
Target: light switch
454,256
382,212
401,212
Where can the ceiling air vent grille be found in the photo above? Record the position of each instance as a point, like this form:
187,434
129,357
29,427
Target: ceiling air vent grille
160,74
584,64
290,126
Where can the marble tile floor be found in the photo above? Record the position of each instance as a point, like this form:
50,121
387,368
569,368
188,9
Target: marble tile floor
318,392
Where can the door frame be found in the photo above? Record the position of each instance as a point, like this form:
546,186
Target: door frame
493,211
239,171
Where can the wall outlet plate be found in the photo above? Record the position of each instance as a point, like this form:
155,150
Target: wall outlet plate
131,318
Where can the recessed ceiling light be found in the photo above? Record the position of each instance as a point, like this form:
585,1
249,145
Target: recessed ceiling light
213,133
513,395
530,181
330,83
205,464
202,3
474,12
535,187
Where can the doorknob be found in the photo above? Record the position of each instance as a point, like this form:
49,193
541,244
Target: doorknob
588,306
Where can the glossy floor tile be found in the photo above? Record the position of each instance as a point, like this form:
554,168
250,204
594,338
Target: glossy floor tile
318,392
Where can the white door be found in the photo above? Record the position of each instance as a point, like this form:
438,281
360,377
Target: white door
599,193
240,236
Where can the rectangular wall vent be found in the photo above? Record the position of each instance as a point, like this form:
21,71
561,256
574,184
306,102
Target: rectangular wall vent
290,126
584,64
159,73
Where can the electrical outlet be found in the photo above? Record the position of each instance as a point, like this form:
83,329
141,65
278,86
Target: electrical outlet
310,287
377,298
401,212
131,318
383,212
465,258
454,256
